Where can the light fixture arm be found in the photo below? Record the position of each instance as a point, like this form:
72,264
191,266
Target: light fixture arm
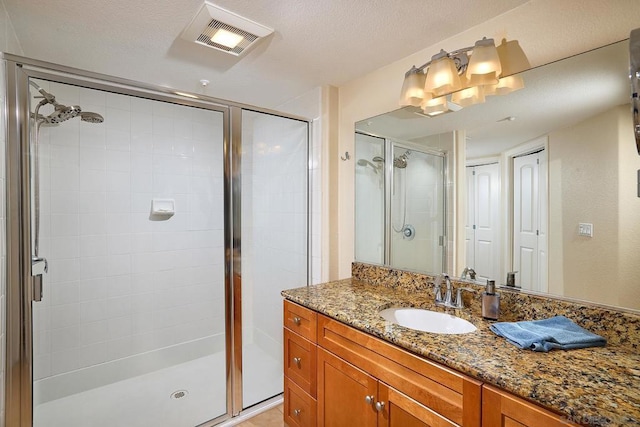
459,56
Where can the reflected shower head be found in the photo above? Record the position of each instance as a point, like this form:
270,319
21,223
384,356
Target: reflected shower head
62,113
401,161
89,117
365,163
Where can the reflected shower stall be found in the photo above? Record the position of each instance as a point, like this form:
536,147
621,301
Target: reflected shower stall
149,236
399,204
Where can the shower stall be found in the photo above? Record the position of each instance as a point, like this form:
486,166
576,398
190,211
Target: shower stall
148,237
400,205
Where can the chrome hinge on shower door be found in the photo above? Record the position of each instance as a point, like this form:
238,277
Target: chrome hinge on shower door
39,266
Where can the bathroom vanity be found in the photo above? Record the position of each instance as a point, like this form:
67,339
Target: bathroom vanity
346,366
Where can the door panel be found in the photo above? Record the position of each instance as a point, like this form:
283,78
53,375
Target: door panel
342,393
133,314
274,165
485,208
402,411
529,220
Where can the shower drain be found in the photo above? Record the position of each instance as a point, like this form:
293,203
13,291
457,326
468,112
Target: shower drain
179,394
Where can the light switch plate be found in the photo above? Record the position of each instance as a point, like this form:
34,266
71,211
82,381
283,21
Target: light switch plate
585,229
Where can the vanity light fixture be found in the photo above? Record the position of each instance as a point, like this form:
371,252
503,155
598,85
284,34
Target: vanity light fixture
468,74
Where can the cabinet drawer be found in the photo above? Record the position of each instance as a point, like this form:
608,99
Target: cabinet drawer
299,407
300,361
300,320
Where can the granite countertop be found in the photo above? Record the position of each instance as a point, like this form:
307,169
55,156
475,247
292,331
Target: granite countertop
596,386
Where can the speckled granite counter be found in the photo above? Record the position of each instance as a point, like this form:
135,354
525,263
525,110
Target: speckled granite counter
595,386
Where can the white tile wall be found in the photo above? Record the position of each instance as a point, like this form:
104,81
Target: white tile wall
122,282
8,43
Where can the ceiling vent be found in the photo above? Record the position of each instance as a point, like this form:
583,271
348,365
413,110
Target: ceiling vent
223,30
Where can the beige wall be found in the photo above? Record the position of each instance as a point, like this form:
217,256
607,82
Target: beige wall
547,29
592,179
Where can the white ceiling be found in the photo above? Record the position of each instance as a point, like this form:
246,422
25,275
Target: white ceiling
316,42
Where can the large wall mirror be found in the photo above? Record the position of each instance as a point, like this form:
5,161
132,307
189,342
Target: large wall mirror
550,184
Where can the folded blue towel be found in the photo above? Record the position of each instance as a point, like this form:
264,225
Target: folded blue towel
544,335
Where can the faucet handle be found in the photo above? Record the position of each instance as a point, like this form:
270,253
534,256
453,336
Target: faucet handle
459,303
437,283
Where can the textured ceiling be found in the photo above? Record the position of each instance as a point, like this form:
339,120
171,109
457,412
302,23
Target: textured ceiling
316,42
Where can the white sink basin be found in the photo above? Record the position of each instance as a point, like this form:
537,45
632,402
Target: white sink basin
427,320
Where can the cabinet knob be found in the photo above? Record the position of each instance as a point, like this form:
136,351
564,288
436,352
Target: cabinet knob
297,321
297,361
379,406
369,400
297,412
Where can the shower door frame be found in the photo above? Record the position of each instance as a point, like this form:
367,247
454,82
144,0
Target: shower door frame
18,385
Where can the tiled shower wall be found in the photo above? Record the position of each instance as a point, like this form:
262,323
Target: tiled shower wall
8,43
122,282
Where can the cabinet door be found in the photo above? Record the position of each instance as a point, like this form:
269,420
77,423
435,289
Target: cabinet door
346,395
399,410
501,409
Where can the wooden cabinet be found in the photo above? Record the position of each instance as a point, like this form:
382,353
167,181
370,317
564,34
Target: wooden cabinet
299,365
338,376
346,394
502,409
451,397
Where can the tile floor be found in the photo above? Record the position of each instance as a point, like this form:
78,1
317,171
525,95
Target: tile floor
271,418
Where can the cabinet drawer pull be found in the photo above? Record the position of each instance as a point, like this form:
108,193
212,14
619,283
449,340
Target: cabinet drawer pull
297,361
369,400
297,412
379,406
297,321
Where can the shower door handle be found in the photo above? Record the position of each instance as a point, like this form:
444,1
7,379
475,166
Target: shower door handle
39,266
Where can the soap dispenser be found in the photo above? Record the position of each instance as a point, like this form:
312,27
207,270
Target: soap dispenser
490,301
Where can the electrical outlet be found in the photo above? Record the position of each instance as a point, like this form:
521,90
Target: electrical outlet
585,229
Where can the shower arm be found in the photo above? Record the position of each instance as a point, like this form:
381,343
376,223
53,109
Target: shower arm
48,98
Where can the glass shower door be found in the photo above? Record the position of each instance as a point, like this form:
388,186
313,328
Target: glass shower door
131,327
274,242
417,210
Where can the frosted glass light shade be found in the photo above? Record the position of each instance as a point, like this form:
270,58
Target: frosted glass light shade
469,96
512,57
484,64
505,85
412,88
442,76
435,106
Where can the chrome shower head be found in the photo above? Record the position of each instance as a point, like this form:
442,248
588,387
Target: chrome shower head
62,113
89,117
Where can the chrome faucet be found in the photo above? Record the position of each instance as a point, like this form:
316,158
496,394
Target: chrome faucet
470,271
447,301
